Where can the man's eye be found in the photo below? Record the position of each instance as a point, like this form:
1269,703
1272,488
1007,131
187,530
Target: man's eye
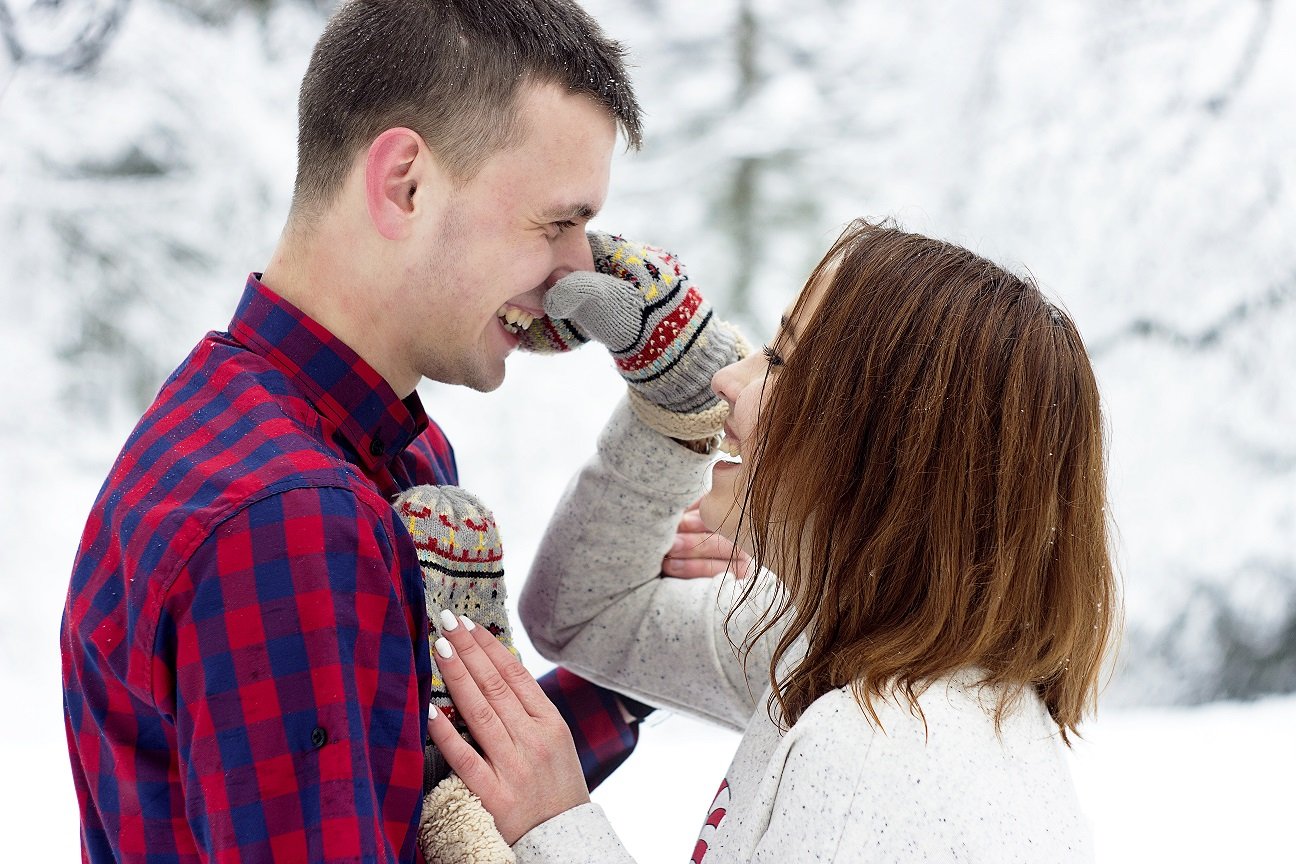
564,225
771,356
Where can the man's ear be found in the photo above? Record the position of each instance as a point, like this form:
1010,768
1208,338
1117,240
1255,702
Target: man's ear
396,167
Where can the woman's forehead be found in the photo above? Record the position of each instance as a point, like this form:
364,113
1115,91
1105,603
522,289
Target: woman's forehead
809,298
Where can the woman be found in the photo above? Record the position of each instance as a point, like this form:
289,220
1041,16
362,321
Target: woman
922,475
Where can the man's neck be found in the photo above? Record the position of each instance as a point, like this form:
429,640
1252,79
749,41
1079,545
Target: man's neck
321,271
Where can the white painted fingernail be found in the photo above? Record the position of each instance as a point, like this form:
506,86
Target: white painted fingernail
448,620
443,648
467,622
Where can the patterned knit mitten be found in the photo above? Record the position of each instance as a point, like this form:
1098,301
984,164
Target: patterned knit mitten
663,335
463,570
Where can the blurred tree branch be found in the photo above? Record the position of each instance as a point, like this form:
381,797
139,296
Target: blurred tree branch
91,26
1265,304
1247,62
741,203
9,32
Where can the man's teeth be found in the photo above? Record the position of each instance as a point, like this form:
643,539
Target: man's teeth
515,320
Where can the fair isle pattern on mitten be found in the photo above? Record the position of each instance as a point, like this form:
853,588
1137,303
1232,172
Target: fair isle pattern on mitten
462,560
661,332
674,351
551,336
454,828
699,425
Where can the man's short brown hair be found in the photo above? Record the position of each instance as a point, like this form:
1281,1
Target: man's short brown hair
450,70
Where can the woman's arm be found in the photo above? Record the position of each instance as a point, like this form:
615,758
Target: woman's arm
527,776
596,602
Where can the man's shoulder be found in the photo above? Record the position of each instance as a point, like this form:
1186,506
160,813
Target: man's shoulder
227,432
230,413
227,429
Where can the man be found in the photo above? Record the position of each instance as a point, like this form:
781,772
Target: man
245,650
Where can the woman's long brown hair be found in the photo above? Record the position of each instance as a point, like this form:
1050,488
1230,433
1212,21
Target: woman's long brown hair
929,484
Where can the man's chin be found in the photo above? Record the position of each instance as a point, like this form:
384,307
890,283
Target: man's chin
481,379
483,385
487,387
485,380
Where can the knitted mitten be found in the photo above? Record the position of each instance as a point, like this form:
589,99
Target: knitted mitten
463,570
665,339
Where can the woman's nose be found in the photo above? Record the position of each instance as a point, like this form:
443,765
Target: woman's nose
723,383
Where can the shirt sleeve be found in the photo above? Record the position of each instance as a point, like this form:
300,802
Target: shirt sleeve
298,667
603,737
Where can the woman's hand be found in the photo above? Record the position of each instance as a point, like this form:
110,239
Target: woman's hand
698,553
528,770
641,305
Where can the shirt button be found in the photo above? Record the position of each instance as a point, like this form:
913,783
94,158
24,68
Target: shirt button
377,448
319,737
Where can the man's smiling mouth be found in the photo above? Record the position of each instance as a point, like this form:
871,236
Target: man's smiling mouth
514,319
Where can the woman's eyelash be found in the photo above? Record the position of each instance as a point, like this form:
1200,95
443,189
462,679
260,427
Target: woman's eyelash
771,356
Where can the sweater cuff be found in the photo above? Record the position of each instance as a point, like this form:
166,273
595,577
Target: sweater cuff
580,835
649,459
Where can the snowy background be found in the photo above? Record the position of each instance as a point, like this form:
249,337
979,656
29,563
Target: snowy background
1138,157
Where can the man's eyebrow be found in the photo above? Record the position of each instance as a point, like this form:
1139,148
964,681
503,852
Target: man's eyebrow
585,212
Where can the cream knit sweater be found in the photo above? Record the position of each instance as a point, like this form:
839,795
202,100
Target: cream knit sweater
833,788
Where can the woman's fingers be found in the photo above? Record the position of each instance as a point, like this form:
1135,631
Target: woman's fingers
529,770
700,553
481,716
460,755
486,675
691,568
691,521
528,691
704,545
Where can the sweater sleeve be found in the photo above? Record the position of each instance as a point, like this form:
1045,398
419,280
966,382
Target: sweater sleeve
595,600
810,806
578,836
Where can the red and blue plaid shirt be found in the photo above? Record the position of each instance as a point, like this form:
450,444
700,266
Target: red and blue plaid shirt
245,648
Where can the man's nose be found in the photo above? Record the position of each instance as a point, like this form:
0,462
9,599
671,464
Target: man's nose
573,254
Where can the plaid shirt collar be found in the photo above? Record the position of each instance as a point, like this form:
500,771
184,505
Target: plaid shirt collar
346,390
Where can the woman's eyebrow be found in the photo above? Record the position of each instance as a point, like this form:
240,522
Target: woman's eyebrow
785,326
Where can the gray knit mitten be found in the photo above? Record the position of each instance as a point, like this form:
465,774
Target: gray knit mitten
664,337
462,560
